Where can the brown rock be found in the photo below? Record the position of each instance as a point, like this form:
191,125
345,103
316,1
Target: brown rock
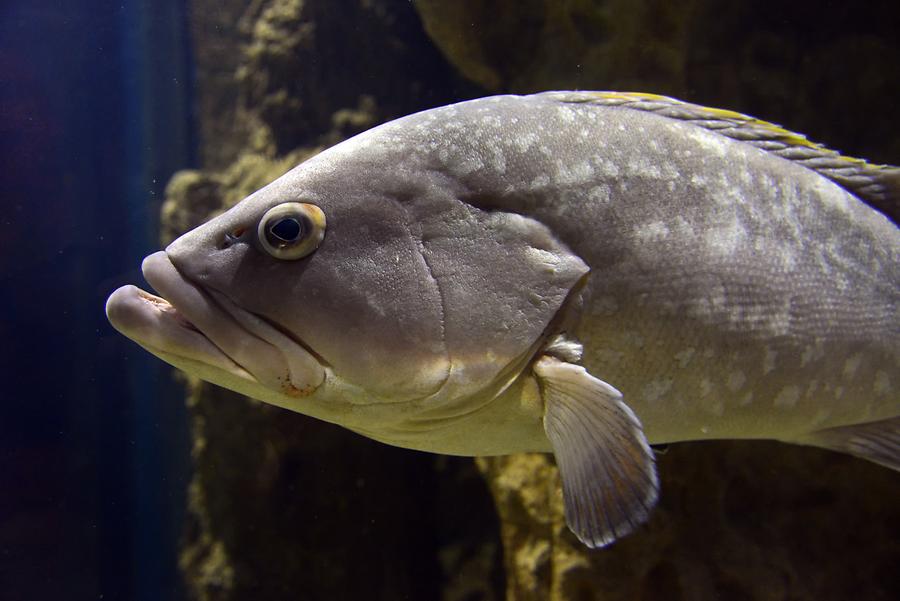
529,45
736,520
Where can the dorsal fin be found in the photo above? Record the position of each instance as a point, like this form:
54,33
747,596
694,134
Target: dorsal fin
876,185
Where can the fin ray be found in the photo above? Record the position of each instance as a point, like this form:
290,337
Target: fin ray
878,442
606,466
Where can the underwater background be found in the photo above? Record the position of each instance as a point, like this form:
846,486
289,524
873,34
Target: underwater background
126,123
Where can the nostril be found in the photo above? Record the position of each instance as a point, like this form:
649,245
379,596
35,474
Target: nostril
232,237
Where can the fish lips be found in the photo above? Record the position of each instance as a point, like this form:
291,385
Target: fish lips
205,326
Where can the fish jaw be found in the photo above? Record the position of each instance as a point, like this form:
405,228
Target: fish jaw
203,333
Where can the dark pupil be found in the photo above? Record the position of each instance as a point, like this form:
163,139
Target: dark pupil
287,229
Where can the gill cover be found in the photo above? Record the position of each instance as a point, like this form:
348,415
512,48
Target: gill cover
503,278
411,293
362,301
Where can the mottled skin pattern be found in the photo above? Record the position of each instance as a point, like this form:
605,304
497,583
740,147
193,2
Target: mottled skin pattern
725,291
732,293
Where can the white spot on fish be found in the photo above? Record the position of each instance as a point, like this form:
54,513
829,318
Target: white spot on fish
634,339
787,397
605,168
655,389
831,195
820,417
811,353
524,141
683,227
549,260
540,182
851,365
713,143
787,258
725,240
599,194
811,389
567,174
497,158
684,357
882,384
467,163
736,380
605,305
491,120
656,230
565,113
641,167
840,282
608,356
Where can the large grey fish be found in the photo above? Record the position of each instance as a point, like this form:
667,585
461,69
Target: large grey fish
575,273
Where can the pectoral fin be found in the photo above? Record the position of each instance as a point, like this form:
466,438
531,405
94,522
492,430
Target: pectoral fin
607,468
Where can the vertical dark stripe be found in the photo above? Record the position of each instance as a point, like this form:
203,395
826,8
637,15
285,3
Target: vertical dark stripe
160,142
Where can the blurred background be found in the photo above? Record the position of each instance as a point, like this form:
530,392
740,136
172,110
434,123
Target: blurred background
123,124
96,114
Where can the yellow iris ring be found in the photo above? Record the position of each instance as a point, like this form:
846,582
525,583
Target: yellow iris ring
312,219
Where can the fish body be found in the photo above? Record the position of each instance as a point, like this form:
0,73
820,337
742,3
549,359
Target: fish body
576,273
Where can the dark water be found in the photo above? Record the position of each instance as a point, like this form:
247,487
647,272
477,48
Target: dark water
92,469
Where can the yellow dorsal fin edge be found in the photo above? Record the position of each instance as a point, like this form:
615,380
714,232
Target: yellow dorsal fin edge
877,185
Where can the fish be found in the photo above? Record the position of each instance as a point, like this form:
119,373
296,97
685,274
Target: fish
577,273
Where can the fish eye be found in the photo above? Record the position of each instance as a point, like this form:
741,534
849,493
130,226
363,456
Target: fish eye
291,230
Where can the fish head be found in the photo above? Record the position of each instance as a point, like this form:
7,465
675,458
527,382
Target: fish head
361,277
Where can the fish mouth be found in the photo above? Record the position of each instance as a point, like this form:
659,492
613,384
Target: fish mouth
202,331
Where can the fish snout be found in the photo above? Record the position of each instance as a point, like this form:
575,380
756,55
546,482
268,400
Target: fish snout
276,361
